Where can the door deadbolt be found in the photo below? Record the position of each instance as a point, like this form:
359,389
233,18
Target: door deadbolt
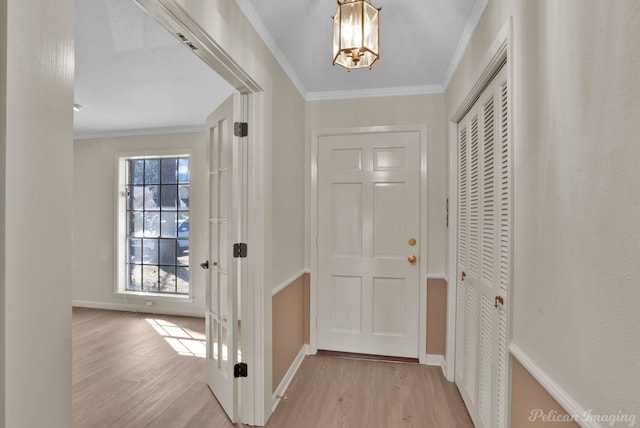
205,265
412,242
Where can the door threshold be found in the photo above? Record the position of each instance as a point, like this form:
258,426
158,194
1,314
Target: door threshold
356,356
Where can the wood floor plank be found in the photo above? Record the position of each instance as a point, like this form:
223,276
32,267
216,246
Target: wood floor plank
336,392
181,411
127,374
95,420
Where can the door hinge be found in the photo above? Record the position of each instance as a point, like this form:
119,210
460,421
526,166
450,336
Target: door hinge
240,129
239,250
240,370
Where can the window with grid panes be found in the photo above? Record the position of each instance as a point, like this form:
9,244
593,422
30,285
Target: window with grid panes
157,230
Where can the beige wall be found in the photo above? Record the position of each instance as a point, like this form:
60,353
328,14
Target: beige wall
406,110
94,243
531,404
37,184
287,254
3,149
288,327
284,172
576,222
307,307
436,316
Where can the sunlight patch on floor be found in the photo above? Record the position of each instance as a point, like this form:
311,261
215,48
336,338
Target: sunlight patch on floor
183,340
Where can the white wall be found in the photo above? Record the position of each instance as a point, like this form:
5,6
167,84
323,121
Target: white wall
577,204
94,228
403,110
37,181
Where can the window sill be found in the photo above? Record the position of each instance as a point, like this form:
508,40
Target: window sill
179,298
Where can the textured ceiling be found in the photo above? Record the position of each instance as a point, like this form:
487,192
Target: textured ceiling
134,77
418,41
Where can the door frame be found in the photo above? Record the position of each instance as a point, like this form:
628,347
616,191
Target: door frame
256,394
501,49
316,134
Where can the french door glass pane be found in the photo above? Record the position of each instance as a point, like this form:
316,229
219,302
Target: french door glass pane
214,343
224,361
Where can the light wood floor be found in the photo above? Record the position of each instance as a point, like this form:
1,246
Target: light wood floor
142,370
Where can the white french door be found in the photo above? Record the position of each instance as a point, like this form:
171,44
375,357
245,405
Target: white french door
225,173
484,255
368,249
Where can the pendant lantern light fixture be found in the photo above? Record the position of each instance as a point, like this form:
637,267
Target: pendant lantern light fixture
356,34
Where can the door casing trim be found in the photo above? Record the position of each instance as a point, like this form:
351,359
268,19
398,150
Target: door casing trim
257,83
502,48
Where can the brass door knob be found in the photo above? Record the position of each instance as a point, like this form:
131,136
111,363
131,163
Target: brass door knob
412,259
462,276
499,300
412,242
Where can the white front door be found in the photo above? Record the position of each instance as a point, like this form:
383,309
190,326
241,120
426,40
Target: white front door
224,271
368,249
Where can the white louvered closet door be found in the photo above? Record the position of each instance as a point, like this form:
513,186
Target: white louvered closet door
484,255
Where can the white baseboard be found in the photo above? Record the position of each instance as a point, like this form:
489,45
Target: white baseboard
161,310
445,370
286,380
435,360
560,395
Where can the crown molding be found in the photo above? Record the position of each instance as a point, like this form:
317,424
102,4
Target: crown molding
465,38
257,24
375,92
138,132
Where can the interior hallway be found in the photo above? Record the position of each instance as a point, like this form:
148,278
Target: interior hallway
147,370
